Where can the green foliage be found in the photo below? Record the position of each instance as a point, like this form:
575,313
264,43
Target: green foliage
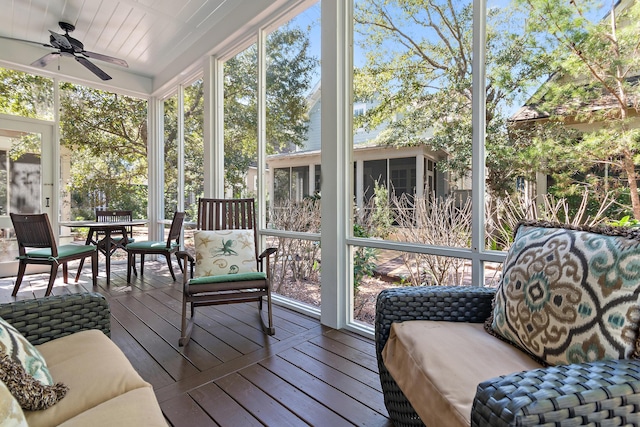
597,64
26,95
290,68
364,259
107,150
382,215
418,66
625,221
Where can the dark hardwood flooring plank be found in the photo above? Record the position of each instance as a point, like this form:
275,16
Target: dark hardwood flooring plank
204,377
346,384
198,356
350,339
210,342
142,361
172,361
269,411
183,411
303,405
344,365
279,322
343,404
227,336
212,399
368,360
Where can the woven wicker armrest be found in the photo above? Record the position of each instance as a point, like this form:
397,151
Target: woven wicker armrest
445,303
596,393
44,319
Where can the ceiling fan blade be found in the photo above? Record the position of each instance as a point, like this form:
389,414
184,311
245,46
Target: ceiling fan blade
105,58
26,41
45,60
61,39
93,68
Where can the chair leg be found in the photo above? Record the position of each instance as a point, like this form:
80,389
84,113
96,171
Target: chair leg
21,269
269,330
80,269
180,264
187,324
141,264
65,272
131,258
94,268
52,278
168,256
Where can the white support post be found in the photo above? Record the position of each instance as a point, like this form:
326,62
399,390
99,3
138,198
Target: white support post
262,130
213,127
336,140
478,140
155,142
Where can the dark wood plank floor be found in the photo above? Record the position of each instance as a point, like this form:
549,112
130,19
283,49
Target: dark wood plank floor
231,374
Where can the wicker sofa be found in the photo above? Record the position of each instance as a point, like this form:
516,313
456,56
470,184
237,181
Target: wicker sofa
72,333
600,393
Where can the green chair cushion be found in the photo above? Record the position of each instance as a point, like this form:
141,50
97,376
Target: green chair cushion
63,251
240,277
150,245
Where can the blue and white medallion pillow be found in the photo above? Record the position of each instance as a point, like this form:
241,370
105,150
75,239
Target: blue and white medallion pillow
570,295
221,252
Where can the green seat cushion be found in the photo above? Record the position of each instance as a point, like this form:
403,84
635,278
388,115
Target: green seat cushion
63,251
150,245
240,277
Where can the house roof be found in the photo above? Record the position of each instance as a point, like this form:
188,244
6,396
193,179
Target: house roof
532,110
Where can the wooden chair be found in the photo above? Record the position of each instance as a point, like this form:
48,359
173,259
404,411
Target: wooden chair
98,237
228,218
172,245
37,245
118,242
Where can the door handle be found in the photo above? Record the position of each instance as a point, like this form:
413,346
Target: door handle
47,205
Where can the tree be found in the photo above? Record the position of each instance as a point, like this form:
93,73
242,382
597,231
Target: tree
107,134
418,67
290,68
598,67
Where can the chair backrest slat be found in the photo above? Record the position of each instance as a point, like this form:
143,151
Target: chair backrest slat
33,231
115,216
176,227
227,214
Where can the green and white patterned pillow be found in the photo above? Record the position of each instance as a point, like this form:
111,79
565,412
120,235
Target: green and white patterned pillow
22,351
221,252
570,295
11,414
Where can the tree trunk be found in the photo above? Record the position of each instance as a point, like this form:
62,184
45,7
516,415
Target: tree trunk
632,176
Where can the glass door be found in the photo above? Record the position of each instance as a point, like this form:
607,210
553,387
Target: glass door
26,180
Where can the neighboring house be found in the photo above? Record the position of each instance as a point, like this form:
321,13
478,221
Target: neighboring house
411,170
594,99
532,114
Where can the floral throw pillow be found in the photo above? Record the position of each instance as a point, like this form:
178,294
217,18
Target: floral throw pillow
22,351
570,295
225,252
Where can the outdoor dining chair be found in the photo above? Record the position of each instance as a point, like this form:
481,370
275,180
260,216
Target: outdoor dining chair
228,268
37,245
98,237
148,247
116,242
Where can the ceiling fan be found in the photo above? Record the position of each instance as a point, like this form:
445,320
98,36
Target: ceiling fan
68,46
